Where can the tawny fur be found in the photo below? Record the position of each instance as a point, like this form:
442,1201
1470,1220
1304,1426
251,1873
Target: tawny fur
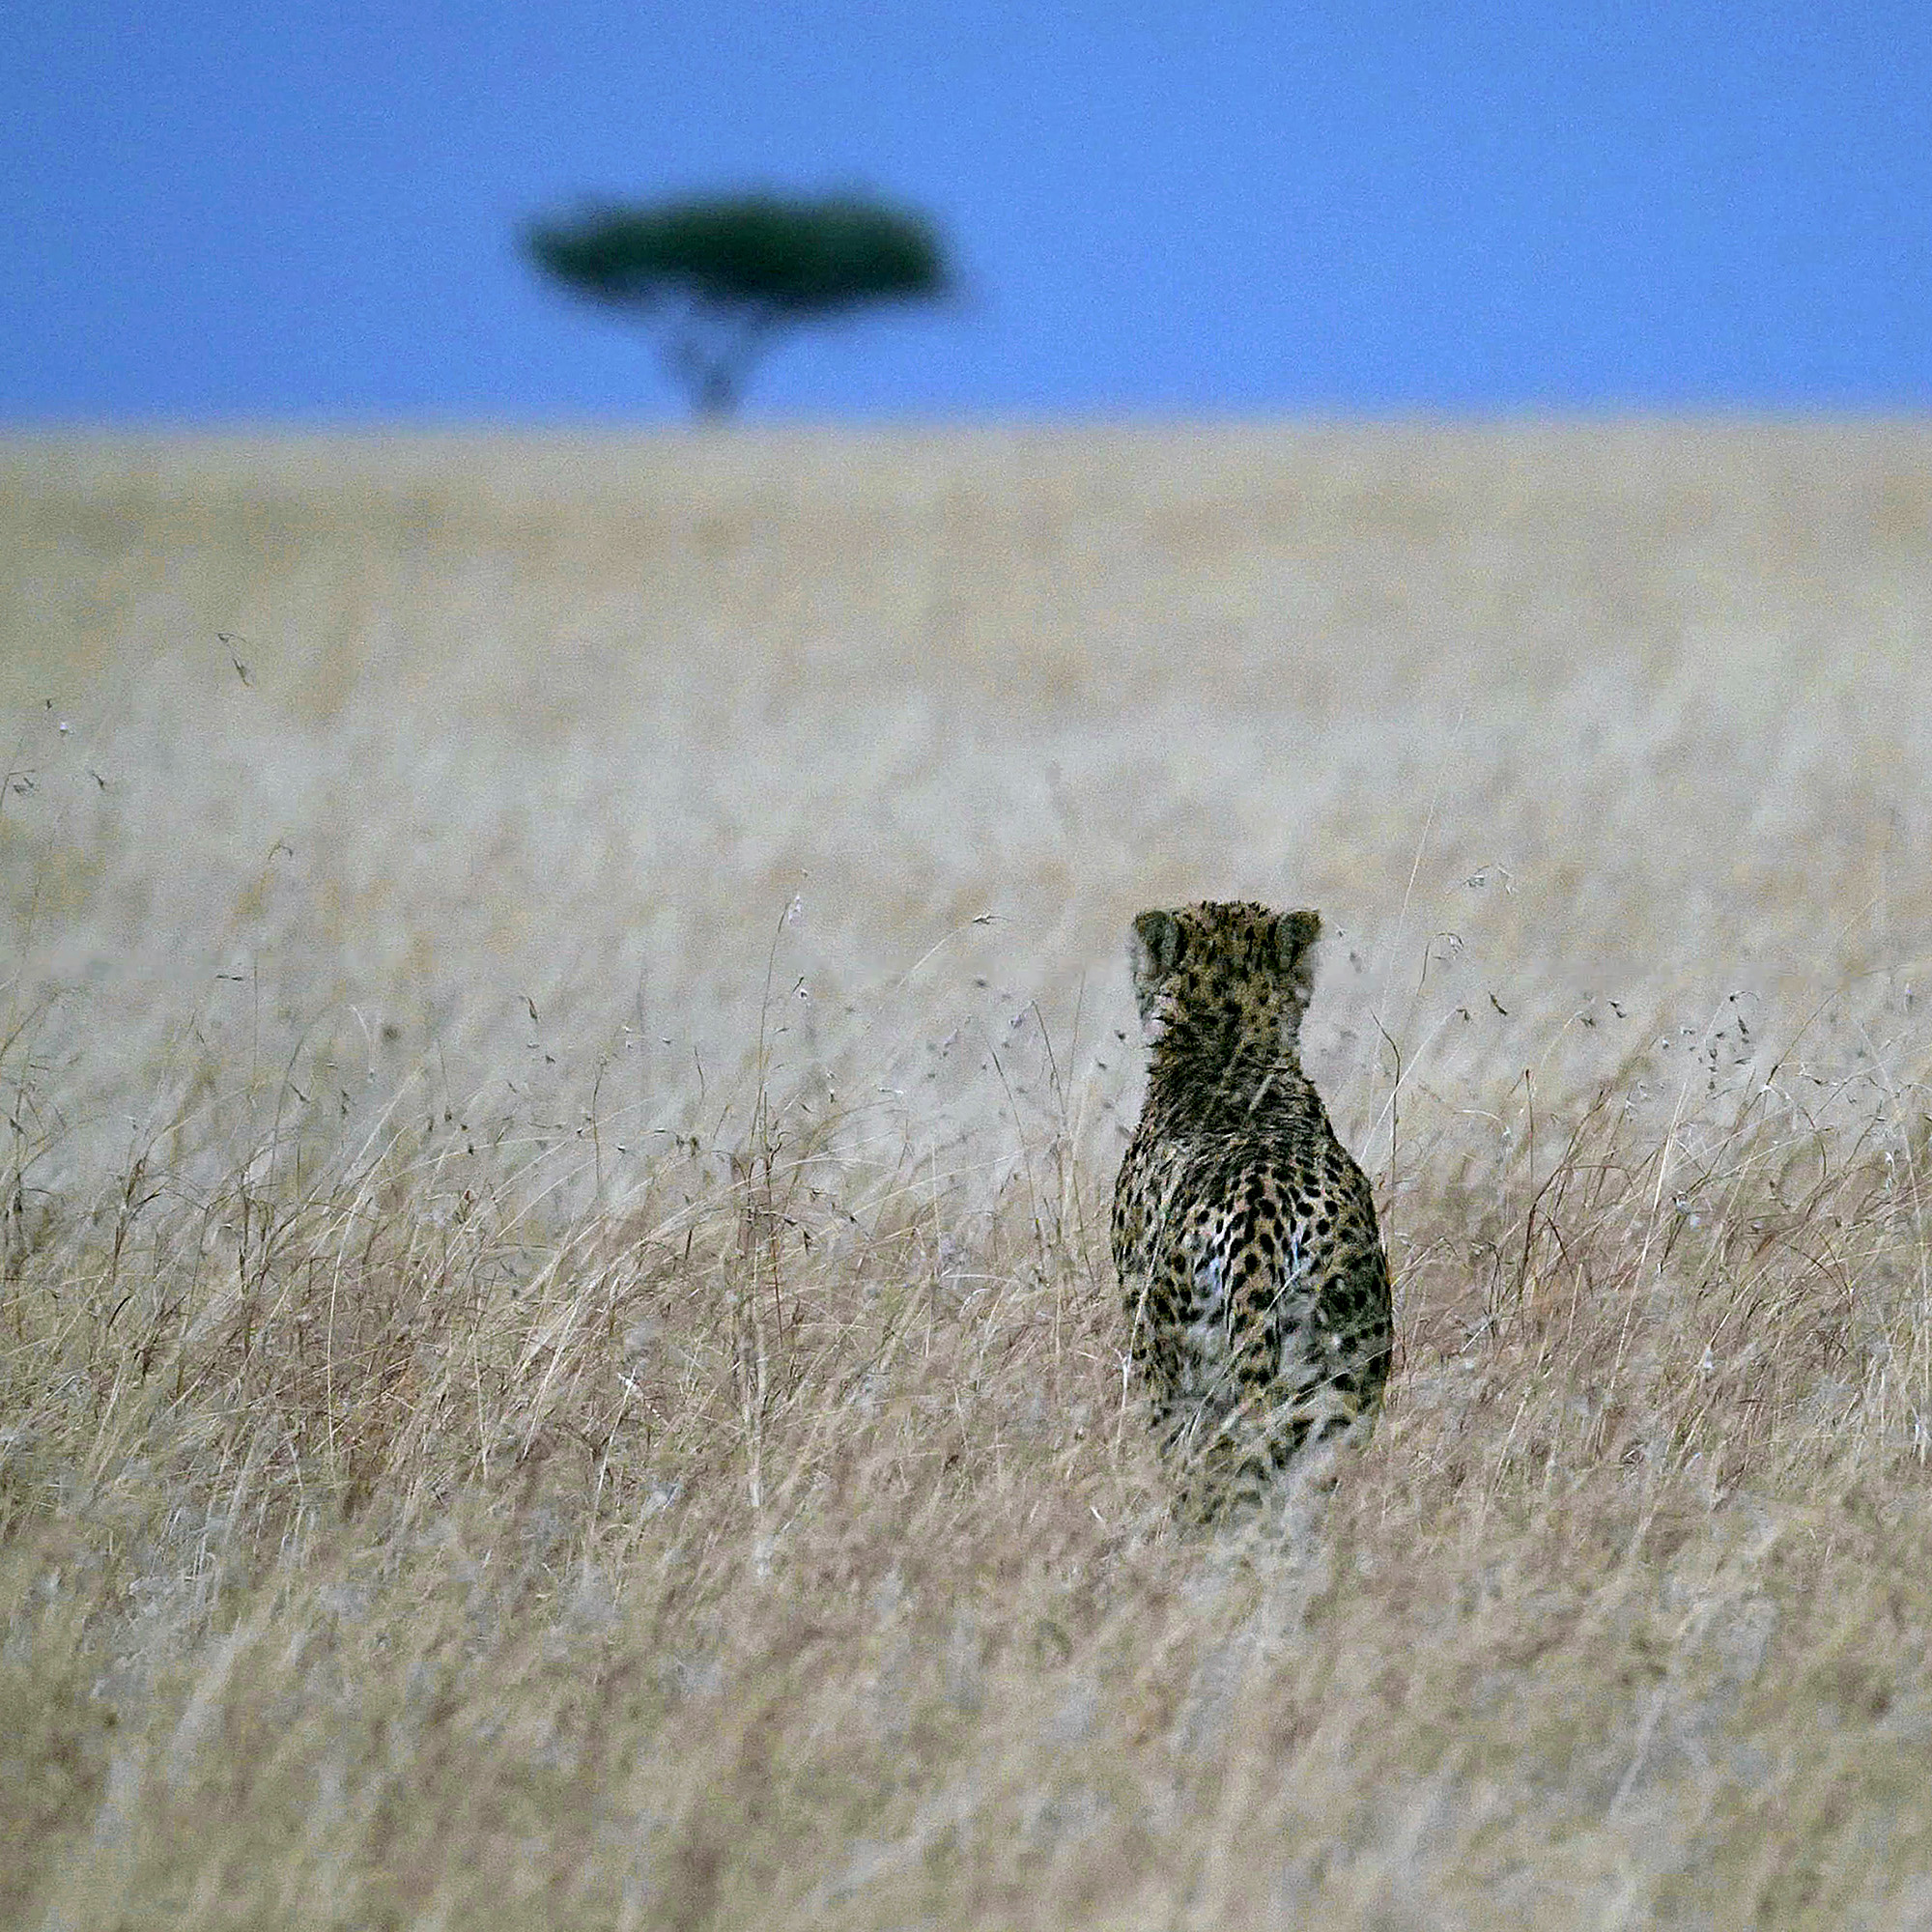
1244,1235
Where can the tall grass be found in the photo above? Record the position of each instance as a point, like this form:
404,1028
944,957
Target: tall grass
558,1370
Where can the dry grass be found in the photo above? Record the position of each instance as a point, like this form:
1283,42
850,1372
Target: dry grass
561,1086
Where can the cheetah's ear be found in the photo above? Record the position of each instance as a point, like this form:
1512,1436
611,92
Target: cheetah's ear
1157,943
1153,951
1295,937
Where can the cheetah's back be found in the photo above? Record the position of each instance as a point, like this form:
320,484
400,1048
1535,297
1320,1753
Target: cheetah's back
1244,1234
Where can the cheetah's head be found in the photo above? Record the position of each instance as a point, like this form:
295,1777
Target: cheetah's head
1224,972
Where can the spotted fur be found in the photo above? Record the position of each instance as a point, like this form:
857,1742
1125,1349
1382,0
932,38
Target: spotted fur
1244,1234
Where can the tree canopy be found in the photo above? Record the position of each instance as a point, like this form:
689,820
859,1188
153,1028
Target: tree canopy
717,276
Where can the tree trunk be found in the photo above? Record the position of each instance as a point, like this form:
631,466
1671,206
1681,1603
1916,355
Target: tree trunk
714,389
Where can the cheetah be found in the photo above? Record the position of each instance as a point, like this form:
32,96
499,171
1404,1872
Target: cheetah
1244,1234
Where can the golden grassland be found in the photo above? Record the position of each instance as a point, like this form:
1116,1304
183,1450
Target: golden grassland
563,1043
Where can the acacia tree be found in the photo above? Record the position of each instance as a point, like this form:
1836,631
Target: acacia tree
718,278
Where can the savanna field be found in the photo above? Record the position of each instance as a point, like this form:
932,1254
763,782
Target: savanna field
565,1039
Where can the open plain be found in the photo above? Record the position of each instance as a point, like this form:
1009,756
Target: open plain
565,1039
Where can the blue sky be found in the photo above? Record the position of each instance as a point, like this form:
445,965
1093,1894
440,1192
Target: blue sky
306,213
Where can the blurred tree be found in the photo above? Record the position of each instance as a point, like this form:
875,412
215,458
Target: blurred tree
718,277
